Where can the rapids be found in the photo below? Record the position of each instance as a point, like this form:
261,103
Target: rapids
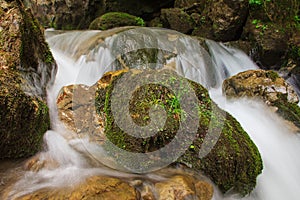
84,56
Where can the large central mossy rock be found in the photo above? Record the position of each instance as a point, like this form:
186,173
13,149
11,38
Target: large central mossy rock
234,162
26,70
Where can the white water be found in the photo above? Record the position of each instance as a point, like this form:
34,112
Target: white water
279,147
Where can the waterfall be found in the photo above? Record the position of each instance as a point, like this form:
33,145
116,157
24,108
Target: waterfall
84,56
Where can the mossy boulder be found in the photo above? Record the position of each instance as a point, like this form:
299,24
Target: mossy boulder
26,70
23,119
234,162
177,19
23,48
115,19
267,86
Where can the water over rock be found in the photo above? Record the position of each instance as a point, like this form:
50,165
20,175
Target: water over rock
233,162
95,187
267,86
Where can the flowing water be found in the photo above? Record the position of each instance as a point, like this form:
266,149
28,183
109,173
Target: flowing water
84,56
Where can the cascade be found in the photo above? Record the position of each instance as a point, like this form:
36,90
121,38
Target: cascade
84,56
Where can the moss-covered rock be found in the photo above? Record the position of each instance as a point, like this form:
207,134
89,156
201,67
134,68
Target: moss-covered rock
23,119
177,19
115,19
23,47
26,70
234,162
267,86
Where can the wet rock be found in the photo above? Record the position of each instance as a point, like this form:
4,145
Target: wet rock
115,19
183,187
23,118
23,48
95,187
177,19
268,86
238,160
26,70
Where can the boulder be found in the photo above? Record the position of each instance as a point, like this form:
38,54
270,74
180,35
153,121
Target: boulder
115,19
95,187
71,14
23,119
177,19
237,157
267,86
183,187
26,71
144,9
222,20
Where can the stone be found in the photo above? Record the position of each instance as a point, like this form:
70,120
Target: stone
234,151
267,86
71,14
115,19
183,187
176,19
27,68
95,187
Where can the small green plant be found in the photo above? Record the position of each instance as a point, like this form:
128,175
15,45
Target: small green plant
259,25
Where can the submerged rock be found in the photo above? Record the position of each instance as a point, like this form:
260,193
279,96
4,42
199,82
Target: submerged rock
268,86
26,70
233,162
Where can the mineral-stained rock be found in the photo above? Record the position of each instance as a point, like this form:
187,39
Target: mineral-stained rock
268,86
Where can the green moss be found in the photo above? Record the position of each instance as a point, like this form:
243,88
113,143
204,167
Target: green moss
233,163
288,111
116,19
272,75
23,119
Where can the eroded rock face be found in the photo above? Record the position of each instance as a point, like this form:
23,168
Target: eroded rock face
234,152
268,86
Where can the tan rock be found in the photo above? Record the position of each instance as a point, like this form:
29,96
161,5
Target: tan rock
181,187
266,85
96,187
